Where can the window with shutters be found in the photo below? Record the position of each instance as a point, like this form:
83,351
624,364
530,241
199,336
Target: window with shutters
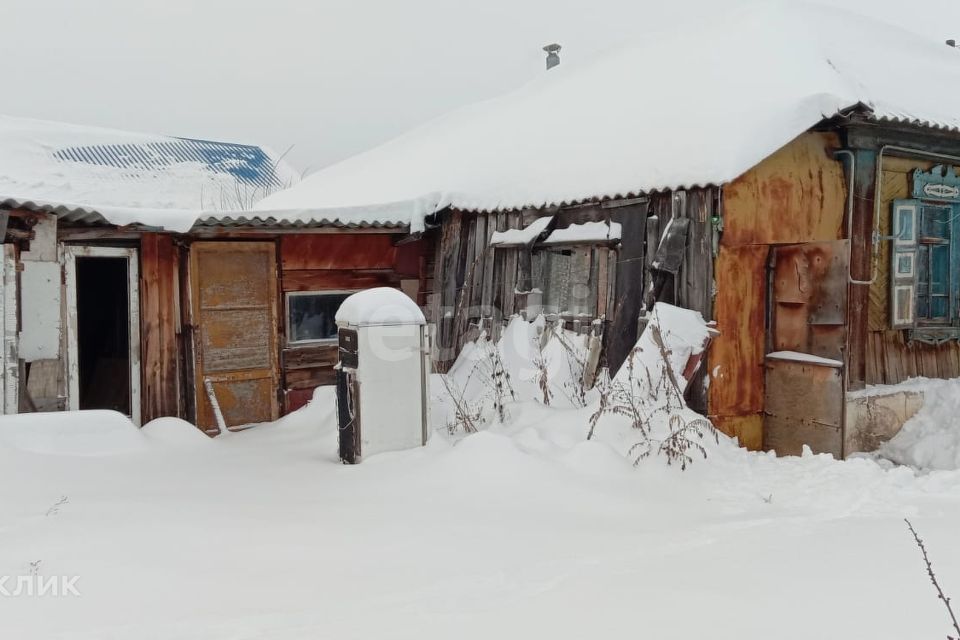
924,262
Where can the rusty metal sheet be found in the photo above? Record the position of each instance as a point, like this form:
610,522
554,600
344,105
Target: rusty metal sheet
810,297
803,406
736,355
797,194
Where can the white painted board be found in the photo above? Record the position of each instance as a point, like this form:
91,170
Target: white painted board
40,311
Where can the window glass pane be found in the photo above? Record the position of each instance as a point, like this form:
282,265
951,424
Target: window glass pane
568,280
312,316
939,268
933,263
935,223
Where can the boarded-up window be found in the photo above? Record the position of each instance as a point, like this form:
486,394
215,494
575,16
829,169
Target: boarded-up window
568,279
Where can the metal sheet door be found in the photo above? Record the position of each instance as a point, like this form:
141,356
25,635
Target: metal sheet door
234,308
804,394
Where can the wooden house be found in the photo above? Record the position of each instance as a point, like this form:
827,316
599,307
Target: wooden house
786,172
134,279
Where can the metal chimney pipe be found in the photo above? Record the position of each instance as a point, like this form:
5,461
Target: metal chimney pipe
553,55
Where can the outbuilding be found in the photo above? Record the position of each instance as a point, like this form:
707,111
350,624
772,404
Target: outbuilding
136,279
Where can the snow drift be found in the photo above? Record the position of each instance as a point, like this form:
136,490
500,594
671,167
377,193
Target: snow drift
930,439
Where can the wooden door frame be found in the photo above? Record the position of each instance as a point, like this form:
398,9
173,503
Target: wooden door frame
70,254
9,359
192,293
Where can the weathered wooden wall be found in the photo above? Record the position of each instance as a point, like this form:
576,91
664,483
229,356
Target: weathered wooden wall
160,322
338,262
890,358
472,280
477,285
796,195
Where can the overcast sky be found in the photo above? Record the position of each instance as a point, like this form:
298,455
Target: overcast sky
331,77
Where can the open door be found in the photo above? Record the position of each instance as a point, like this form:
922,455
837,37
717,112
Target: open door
103,329
804,390
234,310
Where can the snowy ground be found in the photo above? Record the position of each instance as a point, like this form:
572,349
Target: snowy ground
526,531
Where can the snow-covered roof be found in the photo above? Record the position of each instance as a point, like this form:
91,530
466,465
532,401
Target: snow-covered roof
105,175
696,106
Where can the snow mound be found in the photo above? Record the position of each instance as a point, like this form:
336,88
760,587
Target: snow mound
531,361
320,412
536,366
175,432
931,438
71,433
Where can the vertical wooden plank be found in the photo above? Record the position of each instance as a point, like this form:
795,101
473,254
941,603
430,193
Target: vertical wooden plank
448,281
150,329
481,240
600,256
510,271
858,301
486,294
158,304
628,279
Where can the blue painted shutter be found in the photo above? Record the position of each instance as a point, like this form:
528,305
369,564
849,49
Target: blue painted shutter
903,264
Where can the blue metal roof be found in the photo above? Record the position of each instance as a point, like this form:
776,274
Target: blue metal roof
246,163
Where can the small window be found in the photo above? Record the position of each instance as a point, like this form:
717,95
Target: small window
311,315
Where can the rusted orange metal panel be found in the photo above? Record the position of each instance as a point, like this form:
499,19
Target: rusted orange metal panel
747,429
798,194
234,295
337,251
810,298
736,355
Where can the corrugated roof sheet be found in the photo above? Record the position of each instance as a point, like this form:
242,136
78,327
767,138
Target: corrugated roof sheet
96,176
246,163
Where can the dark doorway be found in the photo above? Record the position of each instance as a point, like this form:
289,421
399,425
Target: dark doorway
103,333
